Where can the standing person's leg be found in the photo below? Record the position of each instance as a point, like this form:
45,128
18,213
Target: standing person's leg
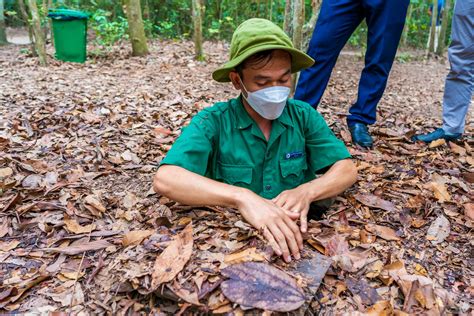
336,22
385,21
460,80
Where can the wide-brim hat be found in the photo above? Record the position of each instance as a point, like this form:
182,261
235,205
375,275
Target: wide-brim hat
256,35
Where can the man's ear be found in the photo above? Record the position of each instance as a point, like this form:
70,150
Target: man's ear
235,79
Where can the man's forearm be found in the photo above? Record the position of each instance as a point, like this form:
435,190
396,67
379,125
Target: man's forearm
190,188
336,180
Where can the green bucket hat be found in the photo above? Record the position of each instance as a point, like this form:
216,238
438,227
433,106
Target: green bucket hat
256,35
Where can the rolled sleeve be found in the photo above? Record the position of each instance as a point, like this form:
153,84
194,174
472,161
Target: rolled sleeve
193,148
322,146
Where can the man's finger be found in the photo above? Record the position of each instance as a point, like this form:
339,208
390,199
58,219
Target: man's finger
281,240
271,241
293,214
279,200
290,238
296,232
304,221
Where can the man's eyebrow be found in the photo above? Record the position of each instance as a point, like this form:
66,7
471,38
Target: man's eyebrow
261,77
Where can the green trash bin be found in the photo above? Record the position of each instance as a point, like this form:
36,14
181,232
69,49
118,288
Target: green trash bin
70,34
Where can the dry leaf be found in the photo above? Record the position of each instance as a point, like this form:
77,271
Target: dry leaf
313,270
337,245
80,248
129,200
366,237
94,202
361,288
420,270
136,237
6,172
262,286
250,254
173,259
74,227
440,192
438,230
374,269
437,143
457,149
7,246
469,211
382,231
375,201
32,181
381,308
184,294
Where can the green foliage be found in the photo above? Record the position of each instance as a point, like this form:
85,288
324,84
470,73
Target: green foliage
108,32
404,57
359,37
220,28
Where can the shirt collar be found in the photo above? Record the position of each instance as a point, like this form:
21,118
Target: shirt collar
244,120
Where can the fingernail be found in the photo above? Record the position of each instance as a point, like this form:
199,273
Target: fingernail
297,256
288,259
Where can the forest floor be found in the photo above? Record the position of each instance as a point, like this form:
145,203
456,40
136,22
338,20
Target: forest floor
82,231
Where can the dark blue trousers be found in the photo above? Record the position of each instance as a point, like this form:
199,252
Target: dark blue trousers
337,20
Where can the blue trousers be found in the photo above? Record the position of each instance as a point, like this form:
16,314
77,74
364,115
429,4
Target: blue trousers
337,21
460,80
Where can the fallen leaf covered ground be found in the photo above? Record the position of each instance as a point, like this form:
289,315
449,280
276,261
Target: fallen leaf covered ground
81,230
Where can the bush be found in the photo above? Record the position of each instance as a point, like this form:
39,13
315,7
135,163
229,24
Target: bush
108,33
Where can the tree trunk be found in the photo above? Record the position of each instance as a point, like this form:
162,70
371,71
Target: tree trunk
136,30
298,21
26,19
39,39
3,32
217,14
51,34
270,13
146,10
434,16
197,36
287,20
309,28
444,28
406,28
46,25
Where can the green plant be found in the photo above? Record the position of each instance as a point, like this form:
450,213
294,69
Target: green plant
165,29
404,57
108,32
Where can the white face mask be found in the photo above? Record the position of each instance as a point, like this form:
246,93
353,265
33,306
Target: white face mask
268,102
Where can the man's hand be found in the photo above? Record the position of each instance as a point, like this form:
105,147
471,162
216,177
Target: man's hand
277,227
296,203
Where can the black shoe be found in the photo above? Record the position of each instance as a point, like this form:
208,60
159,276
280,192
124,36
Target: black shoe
437,134
360,135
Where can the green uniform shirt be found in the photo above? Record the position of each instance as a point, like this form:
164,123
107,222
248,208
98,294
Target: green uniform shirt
224,143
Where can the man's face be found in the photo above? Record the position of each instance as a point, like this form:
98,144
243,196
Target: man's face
276,72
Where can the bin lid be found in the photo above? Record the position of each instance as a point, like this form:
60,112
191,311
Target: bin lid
67,15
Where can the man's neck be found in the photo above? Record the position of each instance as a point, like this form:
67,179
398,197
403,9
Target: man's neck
264,124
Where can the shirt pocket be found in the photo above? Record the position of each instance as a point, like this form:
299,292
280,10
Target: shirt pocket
292,170
240,175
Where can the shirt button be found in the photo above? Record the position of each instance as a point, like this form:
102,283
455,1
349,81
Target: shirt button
268,187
